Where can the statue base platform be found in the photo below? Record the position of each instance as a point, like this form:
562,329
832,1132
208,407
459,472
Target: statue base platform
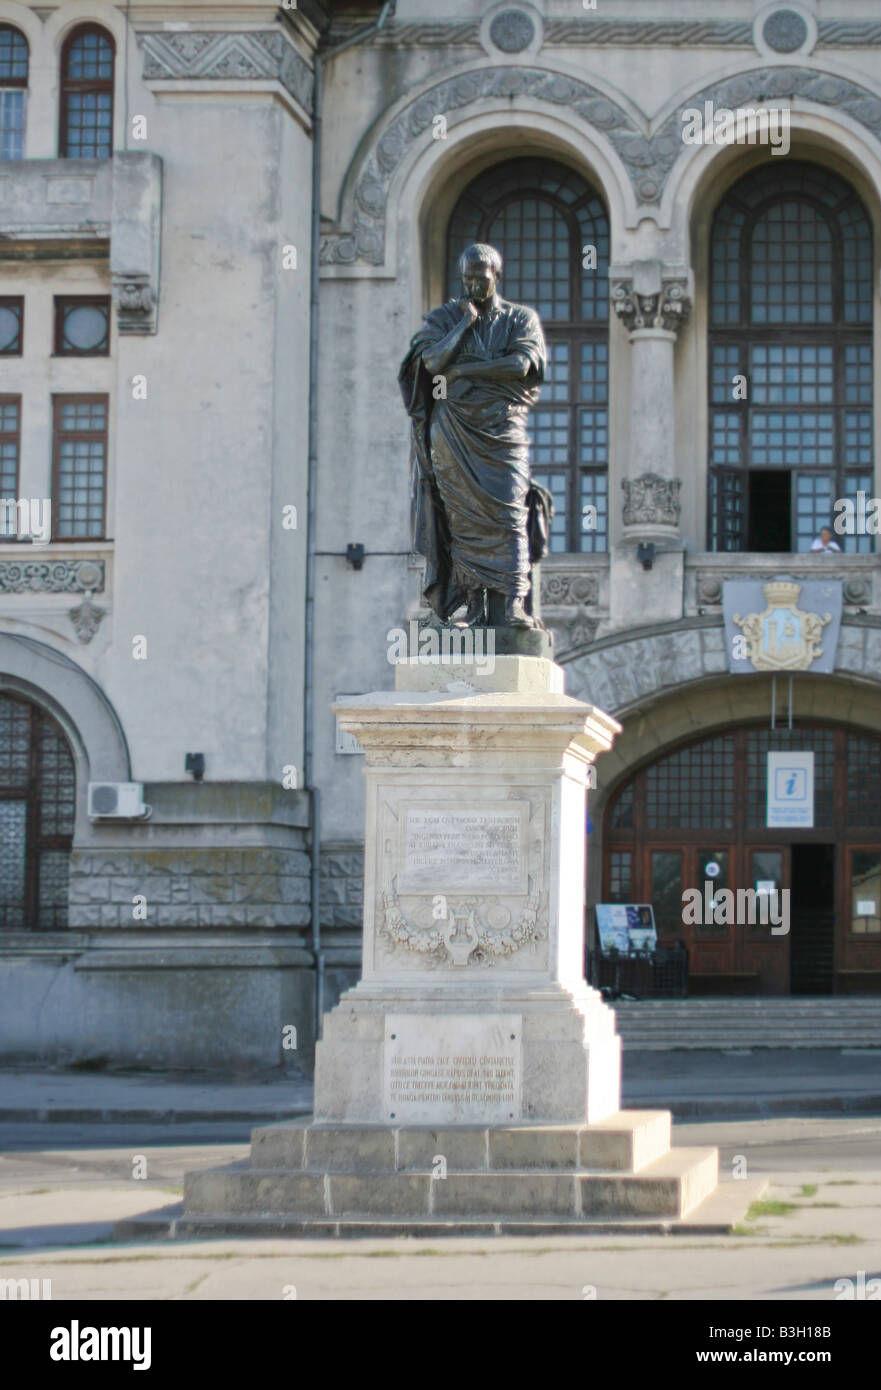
317,1180
471,1080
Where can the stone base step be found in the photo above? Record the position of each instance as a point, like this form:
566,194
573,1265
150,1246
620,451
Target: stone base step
669,1186
626,1141
718,1214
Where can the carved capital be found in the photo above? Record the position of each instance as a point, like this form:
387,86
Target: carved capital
651,500
669,308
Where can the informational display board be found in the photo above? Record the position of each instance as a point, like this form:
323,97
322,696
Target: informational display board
790,789
626,926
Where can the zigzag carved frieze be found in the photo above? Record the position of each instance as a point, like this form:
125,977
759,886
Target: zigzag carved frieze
257,55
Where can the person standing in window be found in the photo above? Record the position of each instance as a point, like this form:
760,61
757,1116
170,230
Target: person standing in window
826,541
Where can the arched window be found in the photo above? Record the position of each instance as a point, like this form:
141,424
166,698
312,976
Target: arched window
87,94
13,85
542,217
37,794
790,359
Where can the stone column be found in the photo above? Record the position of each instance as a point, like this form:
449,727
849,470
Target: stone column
653,304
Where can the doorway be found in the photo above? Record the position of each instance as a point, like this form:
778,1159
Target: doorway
770,509
812,920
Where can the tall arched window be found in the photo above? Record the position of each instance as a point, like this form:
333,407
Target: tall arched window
13,86
790,359
543,217
87,94
37,795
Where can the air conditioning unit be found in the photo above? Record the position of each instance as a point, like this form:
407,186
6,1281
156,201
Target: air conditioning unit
117,801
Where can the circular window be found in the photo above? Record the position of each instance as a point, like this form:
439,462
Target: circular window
85,328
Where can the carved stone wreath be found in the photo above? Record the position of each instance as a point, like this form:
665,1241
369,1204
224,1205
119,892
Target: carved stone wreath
464,937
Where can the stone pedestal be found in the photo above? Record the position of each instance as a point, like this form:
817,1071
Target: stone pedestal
470,1082
472,1007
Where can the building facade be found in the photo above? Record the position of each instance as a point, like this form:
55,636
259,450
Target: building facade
219,226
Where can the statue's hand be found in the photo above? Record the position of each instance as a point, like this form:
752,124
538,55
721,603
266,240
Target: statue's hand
469,309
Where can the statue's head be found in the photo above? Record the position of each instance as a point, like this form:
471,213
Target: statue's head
481,268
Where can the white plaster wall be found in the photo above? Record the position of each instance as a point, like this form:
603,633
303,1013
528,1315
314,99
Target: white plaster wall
195,460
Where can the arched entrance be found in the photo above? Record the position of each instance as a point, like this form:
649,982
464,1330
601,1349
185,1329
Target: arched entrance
697,815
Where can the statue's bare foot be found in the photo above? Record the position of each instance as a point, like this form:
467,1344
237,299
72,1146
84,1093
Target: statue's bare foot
516,615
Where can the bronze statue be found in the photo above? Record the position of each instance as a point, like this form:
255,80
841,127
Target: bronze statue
472,373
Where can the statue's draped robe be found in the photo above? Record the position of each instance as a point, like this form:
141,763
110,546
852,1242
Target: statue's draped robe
477,520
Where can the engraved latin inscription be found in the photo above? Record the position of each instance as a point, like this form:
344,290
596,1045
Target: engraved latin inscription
478,848
459,1068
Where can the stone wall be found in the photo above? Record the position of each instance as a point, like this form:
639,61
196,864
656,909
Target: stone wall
342,884
191,888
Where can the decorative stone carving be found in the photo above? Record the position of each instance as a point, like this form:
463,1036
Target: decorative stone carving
785,31
572,588
366,241
669,309
571,632
651,500
86,618
657,33
51,576
842,33
392,35
857,590
251,56
512,31
769,84
606,33
466,937
135,303
709,589
648,159
583,30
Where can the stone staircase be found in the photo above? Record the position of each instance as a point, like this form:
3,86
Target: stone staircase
338,1180
723,1024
